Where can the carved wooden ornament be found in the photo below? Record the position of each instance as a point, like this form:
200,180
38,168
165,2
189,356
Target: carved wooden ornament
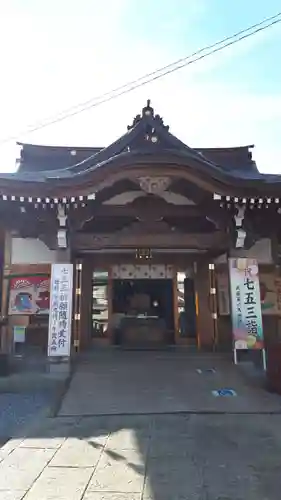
154,185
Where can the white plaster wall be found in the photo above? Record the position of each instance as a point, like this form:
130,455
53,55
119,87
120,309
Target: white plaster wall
130,196
260,251
31,251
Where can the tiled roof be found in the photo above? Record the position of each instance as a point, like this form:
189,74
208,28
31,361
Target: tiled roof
146,138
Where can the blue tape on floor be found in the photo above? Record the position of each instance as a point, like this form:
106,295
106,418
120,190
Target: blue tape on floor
224,393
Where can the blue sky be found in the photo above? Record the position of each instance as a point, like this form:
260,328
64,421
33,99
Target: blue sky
57,53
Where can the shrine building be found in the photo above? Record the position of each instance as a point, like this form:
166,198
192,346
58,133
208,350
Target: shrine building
149,224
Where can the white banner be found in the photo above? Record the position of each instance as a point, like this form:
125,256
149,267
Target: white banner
59,340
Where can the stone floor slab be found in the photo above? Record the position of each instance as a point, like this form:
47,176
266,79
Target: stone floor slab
124,474
89,431
172,495
94,495
22,467
210,457
3,455
42,443
54,428
162,446
10,445
128,439
11,495
169,383
170,475
60,484
153,457
77,453
175,491
23,458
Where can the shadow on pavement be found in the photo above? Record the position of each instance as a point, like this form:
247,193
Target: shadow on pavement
192,455
161,457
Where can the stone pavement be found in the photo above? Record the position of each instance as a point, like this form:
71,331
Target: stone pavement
17,409
134,382
188,446
162,457
26,395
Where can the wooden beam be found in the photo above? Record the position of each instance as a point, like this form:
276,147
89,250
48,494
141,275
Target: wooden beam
129,210
82,241
146,212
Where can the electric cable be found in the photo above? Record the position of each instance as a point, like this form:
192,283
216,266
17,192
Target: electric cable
151,77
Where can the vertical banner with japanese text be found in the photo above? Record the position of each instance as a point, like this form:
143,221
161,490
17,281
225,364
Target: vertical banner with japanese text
59,340
245,304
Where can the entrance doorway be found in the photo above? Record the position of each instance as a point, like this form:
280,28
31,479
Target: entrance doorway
143,305
100,306
187,320
142,312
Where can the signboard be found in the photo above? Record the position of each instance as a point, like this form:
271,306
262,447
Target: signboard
245,304
29,295
59,340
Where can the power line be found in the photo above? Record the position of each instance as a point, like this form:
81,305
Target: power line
147,75
172,70
138,82
155,75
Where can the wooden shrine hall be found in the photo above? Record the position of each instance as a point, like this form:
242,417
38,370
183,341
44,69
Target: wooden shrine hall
149,224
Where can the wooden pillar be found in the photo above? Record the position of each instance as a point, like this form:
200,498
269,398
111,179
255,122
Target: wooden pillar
110,332
6,331
76,314
176,309
276,270
86,304
63,256
205,321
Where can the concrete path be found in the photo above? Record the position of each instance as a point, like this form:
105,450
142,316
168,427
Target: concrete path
175,457
112,383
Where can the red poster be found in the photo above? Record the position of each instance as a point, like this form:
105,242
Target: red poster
29,295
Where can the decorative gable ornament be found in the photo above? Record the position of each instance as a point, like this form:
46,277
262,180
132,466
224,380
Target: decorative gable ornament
62,238
62,217
154,185
240,231
240,239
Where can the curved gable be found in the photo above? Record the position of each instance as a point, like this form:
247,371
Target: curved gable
147,147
